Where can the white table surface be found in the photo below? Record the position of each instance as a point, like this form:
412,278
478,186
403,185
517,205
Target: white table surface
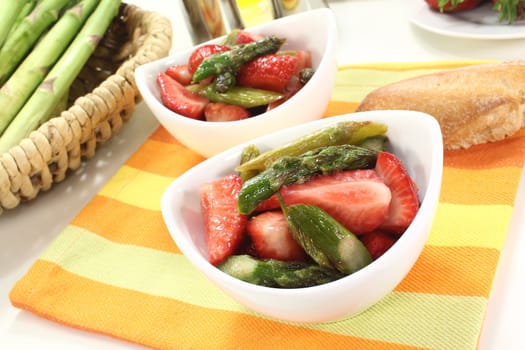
369,31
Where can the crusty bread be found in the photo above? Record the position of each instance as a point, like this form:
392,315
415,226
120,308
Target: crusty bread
473,105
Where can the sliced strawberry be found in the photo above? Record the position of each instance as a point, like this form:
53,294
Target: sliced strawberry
358,199
180,72
360,206
270,72
180,100
405,203
223,225
201,52
377,243
222,112
244,37
304,60
272,239
319,181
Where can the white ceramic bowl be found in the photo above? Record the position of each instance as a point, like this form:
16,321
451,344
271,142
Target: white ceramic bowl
313,30
414,137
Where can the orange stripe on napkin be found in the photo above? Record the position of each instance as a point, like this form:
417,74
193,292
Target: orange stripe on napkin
489,155
135,225
340,107
162,135
490,186
181,323
465,271
183,158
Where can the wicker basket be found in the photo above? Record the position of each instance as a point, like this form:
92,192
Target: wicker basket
102,98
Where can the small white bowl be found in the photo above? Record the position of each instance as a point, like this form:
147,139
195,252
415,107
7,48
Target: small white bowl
313,30
414,137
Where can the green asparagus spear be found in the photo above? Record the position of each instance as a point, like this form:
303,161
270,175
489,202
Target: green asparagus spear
28,7
18,44
225,81
26,10
323,238
9,11
308,245
61,76
231,61
238,95
298,169
34,67
231,38
279,274
248,152
377,142
335,134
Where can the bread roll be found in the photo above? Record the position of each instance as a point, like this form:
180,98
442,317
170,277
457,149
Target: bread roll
473,105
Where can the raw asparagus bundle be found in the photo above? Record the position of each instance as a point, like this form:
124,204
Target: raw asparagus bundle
54,87
26,33
33,69
9,12
26,10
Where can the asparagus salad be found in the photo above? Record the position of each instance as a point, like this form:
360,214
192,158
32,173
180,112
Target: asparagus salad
245,75
43,46
312,211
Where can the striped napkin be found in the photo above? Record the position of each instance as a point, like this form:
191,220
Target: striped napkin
115,270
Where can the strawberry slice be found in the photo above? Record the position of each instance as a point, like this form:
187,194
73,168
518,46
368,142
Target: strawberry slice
377,243
223,225
180,100
269,72
321,180
358,199
201,52
244,37
222,112
180,72
405,203
360,206
304,60
272,239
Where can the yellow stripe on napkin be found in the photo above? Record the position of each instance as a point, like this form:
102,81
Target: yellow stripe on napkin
143,191
470,225
115,270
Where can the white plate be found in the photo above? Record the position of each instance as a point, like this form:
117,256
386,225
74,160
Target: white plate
479,23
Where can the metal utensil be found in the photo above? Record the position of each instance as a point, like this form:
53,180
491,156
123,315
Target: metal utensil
208,19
